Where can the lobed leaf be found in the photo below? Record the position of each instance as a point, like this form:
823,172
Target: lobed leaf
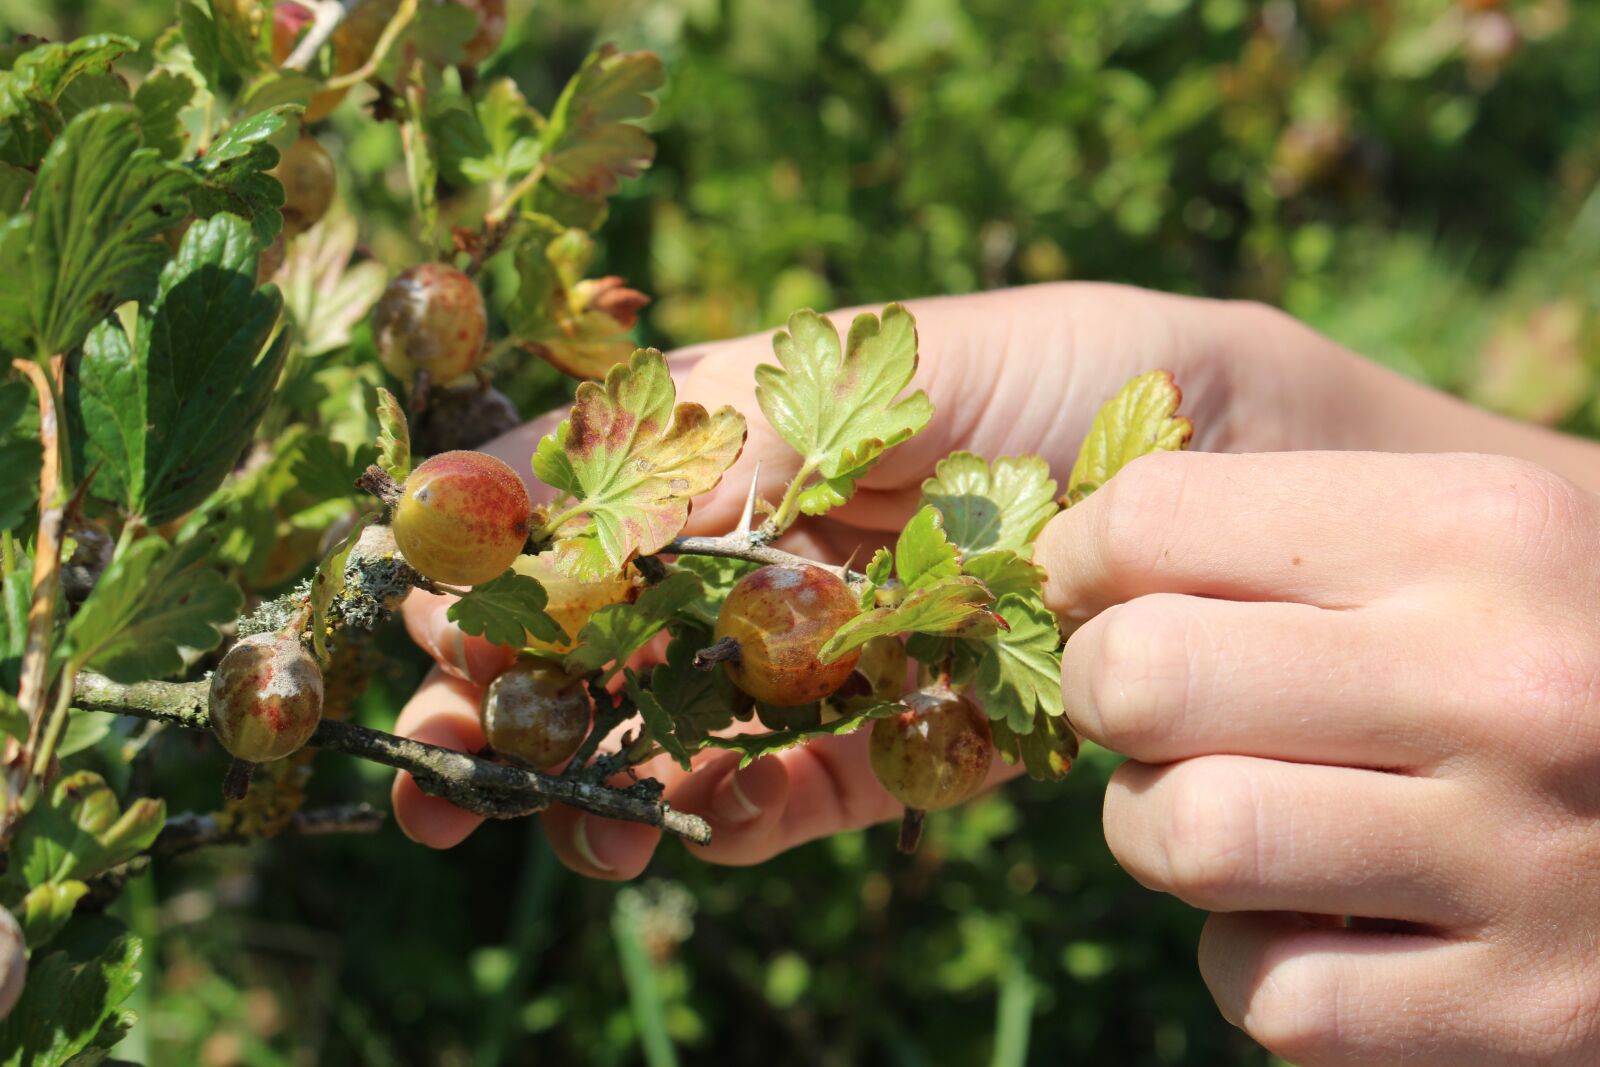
1142,418
1047,751
507,609
36,82
923,555
842,409
629,460
954,605
161,99
153,601
590,142
70,1008
617,631
394,437
1018,668
232,176
99,199
167,414
1003,506
81,829
1004,572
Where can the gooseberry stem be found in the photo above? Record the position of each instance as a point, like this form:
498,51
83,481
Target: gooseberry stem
911,829
724,651
376,480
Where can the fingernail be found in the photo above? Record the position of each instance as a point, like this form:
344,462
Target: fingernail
449,645
580,843
731,805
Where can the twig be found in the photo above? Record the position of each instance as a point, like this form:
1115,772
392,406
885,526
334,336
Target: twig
326,16
492,790
733,546
380,51
190,831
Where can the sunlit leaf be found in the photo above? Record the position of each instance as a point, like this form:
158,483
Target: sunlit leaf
1140,419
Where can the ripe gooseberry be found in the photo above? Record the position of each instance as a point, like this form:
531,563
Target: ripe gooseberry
536,712
306,172
266,697
781,616
569,601
935,753
462,518
431,318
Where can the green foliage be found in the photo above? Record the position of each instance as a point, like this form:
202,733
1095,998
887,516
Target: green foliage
1003,506
842,410
505,609
1142,418
19,452
617,631
166,413
71,1008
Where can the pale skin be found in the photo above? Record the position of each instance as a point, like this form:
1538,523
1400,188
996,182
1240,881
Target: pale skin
1356,670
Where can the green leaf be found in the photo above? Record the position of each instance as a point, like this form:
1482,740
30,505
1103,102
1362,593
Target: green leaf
85,729
239,36
951,606
630,460
718,576
168,414
682,706
617,631
16,303
161,99
71,1005
1018,673
495,140
152,602
19,453
879,570
1004,572
99,200
327,294
15,185
232,176
1047,752
81,830
205,46
590,143
841,411
1140,419
984,507
36,82
16,592
922,554
46,909
394,437
753,746
506,609
422,167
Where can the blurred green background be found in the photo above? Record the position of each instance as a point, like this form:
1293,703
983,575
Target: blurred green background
1416,177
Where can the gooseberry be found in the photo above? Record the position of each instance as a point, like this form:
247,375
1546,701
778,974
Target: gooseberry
536,712
266,697
569,601
781,616
306,172
935,753
491,30
463,416
431,319
462,518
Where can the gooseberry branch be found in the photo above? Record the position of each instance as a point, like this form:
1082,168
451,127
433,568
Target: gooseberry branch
493,790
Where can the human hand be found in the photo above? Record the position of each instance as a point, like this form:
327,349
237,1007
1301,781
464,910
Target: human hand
1008,372
1354,685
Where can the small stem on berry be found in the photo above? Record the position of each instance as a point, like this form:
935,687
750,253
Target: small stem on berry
236,783
724,651
911,829
376,480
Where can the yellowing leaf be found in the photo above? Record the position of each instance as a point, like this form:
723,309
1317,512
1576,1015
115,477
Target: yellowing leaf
952,606
842,410
629,459
1140,419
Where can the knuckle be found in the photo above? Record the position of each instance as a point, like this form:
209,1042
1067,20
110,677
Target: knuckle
1135,514
1138,686
1295,1009
1519,507
1211,844
1553,685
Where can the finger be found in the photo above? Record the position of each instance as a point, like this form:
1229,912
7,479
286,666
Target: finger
1233,833
1333,529
470,658
443,712
1165,676
1317,996
596,847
